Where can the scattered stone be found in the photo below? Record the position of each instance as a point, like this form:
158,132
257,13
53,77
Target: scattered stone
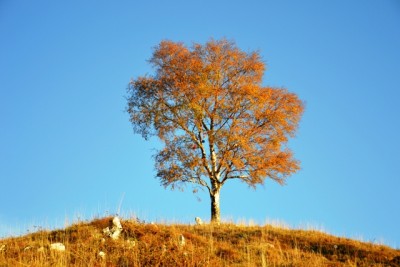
57,247
198,221
107,231
102,255
3,248
117,222
116,228
182,241
27,248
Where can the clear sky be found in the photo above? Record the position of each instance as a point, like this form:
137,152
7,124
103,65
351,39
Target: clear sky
68,152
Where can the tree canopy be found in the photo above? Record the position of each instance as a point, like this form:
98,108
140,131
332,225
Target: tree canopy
217,122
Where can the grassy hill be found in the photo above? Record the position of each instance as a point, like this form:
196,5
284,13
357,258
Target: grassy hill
142,244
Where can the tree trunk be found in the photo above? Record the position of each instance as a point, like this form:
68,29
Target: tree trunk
215,211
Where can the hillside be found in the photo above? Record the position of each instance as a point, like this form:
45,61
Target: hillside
143,244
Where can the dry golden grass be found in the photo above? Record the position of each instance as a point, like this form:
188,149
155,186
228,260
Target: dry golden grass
206,245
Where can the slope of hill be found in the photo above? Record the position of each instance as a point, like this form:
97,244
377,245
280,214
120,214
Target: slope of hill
142,244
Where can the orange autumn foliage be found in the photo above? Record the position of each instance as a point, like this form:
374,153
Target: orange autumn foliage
216,120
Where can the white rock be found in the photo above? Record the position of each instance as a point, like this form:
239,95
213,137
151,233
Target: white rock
41,249
115,230
102,255
116,234
107,231
117,223
182,241
198,221
57,247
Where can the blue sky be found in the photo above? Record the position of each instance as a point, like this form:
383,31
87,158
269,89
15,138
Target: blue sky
68,152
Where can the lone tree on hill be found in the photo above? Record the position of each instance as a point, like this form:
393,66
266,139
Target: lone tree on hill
215,119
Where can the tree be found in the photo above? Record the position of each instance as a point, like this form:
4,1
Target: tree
215,119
